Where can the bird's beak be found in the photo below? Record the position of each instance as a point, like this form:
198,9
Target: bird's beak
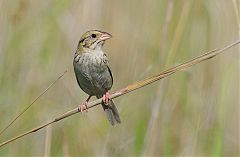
105,36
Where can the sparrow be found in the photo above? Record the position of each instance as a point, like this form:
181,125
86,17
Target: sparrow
91,67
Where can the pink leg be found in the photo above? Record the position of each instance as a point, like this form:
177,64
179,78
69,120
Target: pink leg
83,106
106,97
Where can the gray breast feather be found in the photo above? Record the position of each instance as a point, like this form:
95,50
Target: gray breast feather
102,80
92,79
83,79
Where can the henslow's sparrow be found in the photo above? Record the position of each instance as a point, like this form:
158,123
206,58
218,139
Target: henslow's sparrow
93,73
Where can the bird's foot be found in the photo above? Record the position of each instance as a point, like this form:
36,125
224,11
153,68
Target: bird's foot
106,98
82,107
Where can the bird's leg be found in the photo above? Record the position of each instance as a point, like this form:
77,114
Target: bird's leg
83,106
106,98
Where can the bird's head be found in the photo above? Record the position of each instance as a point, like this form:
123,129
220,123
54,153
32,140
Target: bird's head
92,40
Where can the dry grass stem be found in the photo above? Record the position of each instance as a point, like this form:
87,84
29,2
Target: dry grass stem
132,87
25,109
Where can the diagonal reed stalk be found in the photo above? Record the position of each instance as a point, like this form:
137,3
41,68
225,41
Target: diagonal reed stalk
132,87
26,108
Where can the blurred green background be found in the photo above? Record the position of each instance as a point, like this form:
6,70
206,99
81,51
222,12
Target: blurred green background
191,113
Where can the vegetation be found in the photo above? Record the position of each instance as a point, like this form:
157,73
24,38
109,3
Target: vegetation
192,113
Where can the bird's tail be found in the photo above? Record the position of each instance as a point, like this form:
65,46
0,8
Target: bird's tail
111,112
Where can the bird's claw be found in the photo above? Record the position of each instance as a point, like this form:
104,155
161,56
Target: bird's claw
82,107
106,98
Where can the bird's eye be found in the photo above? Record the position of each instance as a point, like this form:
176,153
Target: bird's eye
93,35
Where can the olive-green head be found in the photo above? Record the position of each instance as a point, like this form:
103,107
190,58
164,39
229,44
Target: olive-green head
92,40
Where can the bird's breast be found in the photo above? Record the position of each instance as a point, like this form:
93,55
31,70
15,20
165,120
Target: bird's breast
92,73
95,61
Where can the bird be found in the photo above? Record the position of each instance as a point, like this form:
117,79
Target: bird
93,74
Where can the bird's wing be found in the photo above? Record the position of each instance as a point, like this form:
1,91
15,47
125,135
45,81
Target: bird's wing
109,70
